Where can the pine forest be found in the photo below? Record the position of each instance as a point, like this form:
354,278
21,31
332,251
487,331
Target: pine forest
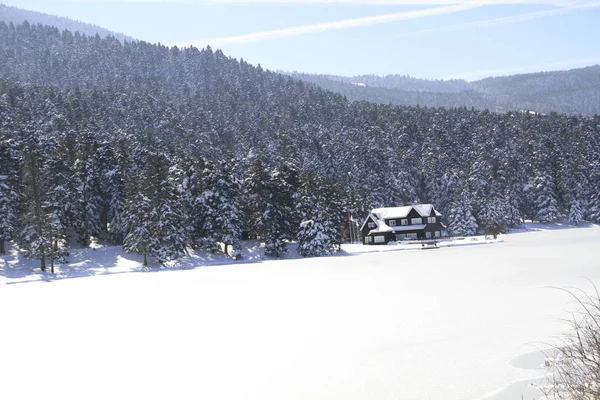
162,149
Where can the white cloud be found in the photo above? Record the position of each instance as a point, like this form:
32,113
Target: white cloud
558,65
349,23
505,20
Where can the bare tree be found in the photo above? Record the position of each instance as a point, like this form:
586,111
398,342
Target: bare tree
574,370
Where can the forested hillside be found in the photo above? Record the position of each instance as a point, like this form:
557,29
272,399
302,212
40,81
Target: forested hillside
162,148
17,16
576,91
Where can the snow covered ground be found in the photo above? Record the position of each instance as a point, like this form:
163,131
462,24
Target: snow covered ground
102,260
458,323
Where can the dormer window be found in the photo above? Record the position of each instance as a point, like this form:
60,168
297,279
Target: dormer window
431,220
403,222
392,222
415,221
371,225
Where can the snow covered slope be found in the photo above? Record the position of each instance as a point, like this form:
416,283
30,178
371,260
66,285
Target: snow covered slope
103,260
444,324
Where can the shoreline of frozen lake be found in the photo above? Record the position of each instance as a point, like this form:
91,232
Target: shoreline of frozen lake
398,324
106,260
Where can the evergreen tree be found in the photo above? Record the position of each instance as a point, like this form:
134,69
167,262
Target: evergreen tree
140,238
323,213
593,212
8,190
35,221
189,188
527,200
257,187
453,186
219,208
56,237
493,217
112,187
461,221
575,212
594,208
315,239
116,218
279,215
7,211
88,196
513,215
154,215
59,203
545,200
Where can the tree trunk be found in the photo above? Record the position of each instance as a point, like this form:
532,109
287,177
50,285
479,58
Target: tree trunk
52,253
104,220
39,220
145,261
2,249
226,249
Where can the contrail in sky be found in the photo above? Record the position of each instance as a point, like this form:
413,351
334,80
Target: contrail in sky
329,26
505,20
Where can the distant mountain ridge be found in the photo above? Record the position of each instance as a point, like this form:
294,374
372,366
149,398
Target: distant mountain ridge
406,82
17,16
575,91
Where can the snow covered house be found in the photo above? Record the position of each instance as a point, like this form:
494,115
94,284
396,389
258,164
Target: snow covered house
419,221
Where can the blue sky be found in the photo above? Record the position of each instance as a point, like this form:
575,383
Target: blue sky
432,39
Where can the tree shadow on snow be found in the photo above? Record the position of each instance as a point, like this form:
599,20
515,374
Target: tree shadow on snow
81,262
110,260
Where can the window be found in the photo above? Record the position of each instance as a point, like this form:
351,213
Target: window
367,239
371,224
411,235
428,235
400,237
437,234
404,222
392,222
431,220
415,221
379,239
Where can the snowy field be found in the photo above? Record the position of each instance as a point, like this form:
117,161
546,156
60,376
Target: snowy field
455,323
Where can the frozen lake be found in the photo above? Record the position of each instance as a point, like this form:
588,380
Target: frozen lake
455,324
